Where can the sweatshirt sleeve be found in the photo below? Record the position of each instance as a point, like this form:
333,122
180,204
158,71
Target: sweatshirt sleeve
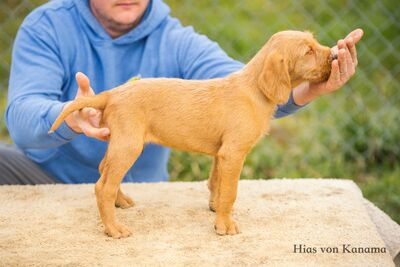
35,90
200,58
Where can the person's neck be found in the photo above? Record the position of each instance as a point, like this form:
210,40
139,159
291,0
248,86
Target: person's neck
115,34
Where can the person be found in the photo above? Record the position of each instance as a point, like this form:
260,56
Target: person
111,41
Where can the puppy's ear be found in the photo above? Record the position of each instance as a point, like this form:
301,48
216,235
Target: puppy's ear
274,79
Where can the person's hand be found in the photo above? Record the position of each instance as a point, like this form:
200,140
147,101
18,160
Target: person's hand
343,68
86,120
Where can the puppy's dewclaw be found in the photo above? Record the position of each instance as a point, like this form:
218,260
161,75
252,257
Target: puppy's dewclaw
223,118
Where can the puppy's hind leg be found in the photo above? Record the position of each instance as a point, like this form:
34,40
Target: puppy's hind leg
123,150
100,183
123,201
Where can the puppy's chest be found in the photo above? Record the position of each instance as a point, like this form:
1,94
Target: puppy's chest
251,132
265,122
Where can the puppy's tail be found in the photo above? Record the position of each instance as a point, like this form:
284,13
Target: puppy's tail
98,102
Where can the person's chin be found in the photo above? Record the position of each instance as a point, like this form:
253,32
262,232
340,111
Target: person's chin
126,19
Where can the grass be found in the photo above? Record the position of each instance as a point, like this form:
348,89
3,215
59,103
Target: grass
350,134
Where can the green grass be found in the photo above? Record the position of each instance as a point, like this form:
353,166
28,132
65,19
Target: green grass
350,134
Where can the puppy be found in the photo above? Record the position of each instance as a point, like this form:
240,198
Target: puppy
223,118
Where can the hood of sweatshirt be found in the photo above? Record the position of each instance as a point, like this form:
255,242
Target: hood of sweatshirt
157,11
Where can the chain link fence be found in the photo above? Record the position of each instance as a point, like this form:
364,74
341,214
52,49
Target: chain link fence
353,133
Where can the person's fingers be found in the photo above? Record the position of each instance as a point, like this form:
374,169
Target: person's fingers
342,62
96,119
86,113
335,72
349,64
98,136
356,35
98,133
334,51
88,124
340,44
352,49
99,115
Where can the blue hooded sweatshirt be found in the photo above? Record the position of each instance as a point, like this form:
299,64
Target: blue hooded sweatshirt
63,37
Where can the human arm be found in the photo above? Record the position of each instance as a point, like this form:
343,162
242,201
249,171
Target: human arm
35,89
35,95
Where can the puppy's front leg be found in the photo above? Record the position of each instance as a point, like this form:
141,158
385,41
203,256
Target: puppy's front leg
229,167
213,185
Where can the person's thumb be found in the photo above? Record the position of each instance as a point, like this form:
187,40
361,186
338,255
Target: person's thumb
83,84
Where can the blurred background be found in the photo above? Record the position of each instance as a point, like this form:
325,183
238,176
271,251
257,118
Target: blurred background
353,133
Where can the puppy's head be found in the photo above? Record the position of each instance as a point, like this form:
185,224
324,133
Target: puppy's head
290,58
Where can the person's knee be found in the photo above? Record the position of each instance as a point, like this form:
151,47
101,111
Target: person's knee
9,153
16,168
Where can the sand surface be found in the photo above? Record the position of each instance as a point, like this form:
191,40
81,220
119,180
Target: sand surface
59,225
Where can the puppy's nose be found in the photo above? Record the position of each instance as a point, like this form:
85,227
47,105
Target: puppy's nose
334,56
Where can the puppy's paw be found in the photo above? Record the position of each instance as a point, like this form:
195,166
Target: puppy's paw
117,231
123,201
226,226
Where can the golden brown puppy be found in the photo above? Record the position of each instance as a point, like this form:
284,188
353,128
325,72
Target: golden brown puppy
222,117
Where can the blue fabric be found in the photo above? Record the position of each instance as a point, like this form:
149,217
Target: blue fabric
61,38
